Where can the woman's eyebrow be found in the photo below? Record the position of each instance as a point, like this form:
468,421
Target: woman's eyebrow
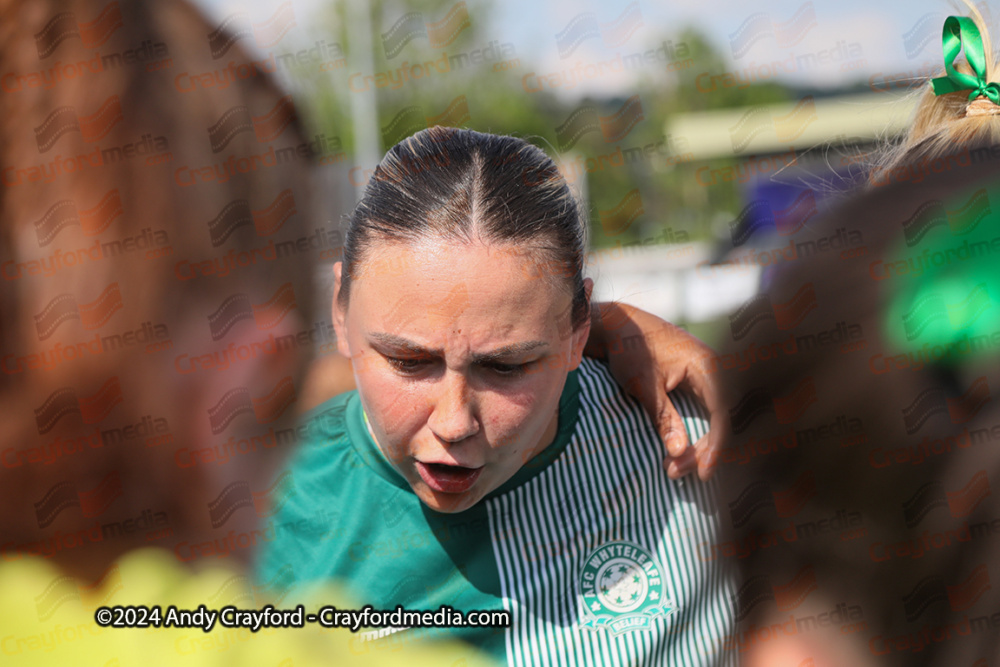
479,357
393,340
508,351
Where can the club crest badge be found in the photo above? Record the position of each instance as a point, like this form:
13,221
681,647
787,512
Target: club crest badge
621,588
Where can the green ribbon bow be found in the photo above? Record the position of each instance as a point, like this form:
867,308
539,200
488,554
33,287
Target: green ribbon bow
960,31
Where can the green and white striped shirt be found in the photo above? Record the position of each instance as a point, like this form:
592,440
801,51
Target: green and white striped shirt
590,547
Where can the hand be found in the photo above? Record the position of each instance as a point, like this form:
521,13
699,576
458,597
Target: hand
649,358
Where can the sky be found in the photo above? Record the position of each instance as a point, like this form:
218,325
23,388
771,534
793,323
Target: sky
873,36
817,43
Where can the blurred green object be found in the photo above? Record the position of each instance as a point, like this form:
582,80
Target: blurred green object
945,279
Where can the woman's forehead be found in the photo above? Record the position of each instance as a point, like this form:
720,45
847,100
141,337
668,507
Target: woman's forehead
388,257
435,286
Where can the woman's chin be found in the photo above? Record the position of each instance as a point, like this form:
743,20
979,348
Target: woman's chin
447,503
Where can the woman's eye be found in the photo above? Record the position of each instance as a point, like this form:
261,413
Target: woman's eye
509,370
407,364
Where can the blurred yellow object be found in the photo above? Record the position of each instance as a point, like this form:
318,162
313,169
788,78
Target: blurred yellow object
47,618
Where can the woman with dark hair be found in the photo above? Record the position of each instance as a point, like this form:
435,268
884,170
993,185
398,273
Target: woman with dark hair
483,464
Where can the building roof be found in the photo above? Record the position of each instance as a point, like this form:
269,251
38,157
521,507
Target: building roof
802,124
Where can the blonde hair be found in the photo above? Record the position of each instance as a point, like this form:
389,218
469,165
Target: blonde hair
942,124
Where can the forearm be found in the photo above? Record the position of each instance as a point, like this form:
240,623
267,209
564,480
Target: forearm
618,328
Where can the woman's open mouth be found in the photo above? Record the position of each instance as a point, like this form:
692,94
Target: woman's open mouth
448,479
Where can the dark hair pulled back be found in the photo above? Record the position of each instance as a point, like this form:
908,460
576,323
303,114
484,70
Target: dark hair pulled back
464,185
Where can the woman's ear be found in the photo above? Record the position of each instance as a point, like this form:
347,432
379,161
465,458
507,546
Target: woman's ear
339,312
582,333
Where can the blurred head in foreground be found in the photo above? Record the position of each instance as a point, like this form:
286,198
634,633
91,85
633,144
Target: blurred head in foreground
154,295
860,507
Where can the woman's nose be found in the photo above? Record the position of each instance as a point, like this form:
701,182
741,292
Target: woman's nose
453,418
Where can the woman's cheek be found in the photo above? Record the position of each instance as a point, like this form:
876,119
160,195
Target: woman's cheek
399,411
397,414
508,423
